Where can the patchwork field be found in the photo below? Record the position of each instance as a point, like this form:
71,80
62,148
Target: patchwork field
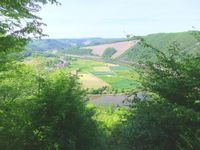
120,47
94,74
102,69
90,81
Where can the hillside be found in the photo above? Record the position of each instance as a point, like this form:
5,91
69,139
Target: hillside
57,44
161,41
120,48
127,51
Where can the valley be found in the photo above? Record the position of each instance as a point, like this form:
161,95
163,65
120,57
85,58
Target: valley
99,75
105,67
93,75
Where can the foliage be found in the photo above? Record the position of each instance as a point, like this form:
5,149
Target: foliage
99,90
18,85
51,112
109,52
161,41
37,112
158,125
108,117
53,116
60,119
17,82
78,51
175,77
19,19
167,116
18,22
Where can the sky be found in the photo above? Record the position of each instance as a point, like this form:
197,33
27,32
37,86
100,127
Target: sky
117,18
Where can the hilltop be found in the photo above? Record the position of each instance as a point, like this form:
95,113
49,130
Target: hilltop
122,49
161,41
57,44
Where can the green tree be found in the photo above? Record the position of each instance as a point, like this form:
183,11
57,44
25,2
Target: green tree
60,119
18,17
167,117
17,86
154,124
175,76
109,52
18,24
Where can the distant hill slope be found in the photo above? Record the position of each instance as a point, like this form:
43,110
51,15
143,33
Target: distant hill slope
120,47
57,44
161,41
125,50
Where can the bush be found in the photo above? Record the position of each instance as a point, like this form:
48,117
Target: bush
168,117
157,125
109,52
60,119
55,117
175,77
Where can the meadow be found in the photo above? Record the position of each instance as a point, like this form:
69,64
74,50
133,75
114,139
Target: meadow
112,75
92,74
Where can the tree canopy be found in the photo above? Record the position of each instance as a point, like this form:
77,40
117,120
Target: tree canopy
18,22
18,18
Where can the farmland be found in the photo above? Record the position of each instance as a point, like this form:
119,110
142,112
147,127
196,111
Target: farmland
120,48
92,74
90,61
98,74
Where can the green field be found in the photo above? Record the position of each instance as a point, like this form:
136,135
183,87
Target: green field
117,76
84,65
93,73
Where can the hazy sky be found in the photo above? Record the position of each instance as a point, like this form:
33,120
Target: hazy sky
115,18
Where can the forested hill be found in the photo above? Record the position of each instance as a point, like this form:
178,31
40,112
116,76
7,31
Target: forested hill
186,41
137,52
57,44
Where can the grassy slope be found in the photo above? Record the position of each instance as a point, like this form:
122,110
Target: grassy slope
162,42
